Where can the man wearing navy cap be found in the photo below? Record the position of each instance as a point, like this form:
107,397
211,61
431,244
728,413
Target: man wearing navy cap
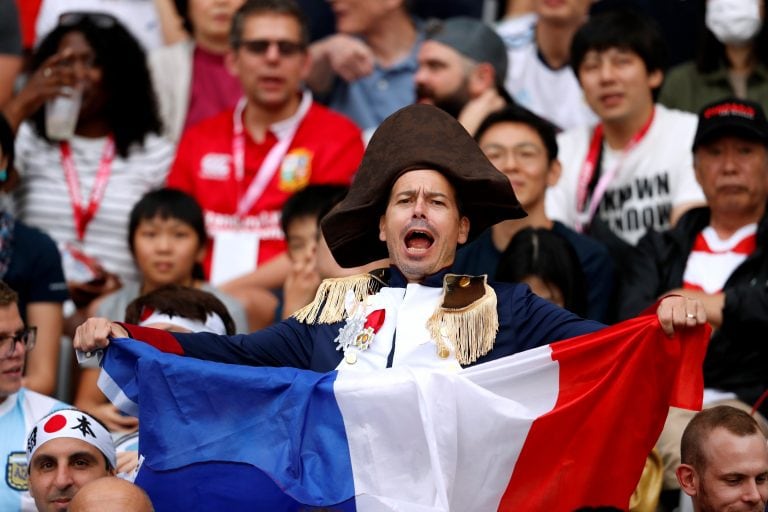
719,255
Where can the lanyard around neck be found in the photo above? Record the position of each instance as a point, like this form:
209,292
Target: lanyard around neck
270,163
586,206
83,214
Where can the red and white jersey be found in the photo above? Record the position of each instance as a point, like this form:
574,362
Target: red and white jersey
326,149
712,260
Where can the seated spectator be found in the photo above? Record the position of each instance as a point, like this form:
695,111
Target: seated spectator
731,58
300,221
540,77
20,407
523,146
462,66
631,172
191,77
724,461
167,239
365,70
547,263
172,308
65,450
243,164
112,494
80,190
31,265
716,254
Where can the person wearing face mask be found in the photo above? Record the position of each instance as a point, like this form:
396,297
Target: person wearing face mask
731,59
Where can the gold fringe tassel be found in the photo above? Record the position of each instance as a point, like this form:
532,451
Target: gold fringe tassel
472,328
328,305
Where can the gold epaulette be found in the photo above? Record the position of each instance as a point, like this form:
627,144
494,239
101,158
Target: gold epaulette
467,317
328,305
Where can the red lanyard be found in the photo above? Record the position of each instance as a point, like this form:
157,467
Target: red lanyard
273,159
83,214
590,163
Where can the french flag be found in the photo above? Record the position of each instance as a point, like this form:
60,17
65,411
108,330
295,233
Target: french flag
560,427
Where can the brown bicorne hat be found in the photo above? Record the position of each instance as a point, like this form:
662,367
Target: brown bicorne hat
416,137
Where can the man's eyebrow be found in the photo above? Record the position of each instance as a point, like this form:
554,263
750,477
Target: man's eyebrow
82,455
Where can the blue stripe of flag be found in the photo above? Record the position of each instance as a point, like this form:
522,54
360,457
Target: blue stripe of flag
283,422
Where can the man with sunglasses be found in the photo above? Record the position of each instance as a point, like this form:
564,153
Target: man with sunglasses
243,164
20,408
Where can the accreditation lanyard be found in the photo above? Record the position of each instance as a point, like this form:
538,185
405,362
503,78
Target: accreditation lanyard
284,131
587,206
82,213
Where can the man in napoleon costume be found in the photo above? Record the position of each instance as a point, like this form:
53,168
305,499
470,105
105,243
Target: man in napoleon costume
424,186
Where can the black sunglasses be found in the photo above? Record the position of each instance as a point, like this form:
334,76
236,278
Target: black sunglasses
100,19
261,46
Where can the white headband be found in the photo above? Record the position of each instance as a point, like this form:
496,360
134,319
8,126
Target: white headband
75,424
213,323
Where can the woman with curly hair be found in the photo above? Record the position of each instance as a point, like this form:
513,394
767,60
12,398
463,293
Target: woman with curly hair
81,190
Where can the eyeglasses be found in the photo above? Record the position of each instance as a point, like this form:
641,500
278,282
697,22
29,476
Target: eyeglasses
100,19
262,46
524,154
8,342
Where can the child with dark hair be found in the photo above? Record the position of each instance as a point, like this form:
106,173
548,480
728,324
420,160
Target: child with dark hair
173,308
179,308
167,238
301,224
549,265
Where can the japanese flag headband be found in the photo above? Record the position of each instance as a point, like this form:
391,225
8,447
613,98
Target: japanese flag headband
75,424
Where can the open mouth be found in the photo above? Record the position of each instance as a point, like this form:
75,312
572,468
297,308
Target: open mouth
418,240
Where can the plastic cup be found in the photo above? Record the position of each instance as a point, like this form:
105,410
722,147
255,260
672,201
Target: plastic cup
61,113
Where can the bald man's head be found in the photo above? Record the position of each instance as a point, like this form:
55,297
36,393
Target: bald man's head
110,494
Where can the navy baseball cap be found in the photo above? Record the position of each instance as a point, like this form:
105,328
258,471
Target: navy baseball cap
734,117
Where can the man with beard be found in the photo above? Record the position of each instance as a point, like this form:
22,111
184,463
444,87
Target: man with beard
724,461
462,67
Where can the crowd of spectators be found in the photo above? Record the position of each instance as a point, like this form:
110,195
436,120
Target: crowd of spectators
213,135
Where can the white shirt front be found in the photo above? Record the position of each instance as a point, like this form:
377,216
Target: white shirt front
653,178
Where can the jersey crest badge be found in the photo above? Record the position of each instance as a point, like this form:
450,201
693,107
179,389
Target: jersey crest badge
16,471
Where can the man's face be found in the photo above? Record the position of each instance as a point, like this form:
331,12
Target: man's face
271,79
359,17
443,77
733,174
517,150
11,367
59,468
735,477
422,225
616,85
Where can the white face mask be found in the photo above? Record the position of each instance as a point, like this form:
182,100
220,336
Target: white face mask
733,21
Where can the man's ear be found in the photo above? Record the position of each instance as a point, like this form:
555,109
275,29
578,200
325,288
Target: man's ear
382,233
555,171
463,230
687,478
481,78
230,61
